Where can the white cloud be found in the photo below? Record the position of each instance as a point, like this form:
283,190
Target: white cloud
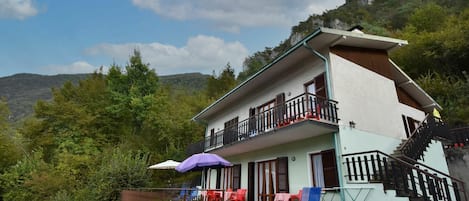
232,15
74,68
200,54
17,9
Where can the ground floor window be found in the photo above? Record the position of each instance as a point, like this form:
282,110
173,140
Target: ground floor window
272,177
229,177
324,169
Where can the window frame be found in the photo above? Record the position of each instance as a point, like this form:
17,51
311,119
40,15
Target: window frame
328,182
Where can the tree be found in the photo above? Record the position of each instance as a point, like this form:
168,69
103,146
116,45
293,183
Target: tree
452,93
439,42
131,92
218,85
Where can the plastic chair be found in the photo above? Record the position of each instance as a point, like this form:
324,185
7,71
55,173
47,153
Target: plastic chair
183,193
194,195
311,194
213,196
240,195
297,196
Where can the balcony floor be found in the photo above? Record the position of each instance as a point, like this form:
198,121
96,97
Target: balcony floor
293,132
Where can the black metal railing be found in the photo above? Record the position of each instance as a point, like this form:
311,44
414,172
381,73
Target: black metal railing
458,137
417,143
409,180
299,108
195,148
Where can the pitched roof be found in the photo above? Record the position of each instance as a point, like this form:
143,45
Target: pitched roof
320,38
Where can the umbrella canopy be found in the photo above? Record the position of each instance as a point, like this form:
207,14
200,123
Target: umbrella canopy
167,165
201,161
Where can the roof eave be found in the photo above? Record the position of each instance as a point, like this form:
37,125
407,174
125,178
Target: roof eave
267,66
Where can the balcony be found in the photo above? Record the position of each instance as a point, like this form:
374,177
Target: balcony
301,117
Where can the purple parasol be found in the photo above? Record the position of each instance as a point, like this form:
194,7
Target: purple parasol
201,161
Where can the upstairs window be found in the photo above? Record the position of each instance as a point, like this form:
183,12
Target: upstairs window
317,86
410,125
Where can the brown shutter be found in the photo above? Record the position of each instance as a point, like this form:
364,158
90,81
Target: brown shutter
404,120
236,177
218,183
411,123
212,137
251,176
282,175
329,169
252,119
280,108
320,84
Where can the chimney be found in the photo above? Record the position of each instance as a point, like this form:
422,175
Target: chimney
356,29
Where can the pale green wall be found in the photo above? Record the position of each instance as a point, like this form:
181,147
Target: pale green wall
298,170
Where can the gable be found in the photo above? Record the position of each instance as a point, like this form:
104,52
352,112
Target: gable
371,59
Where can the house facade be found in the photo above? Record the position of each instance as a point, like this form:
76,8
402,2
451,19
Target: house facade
333,112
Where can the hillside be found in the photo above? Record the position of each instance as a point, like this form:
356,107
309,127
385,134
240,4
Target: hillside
23,90
380,17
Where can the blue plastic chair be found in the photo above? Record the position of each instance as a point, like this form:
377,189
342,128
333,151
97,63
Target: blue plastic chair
311,194
194,194
183,194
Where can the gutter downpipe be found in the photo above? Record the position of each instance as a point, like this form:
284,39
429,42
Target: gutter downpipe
338,152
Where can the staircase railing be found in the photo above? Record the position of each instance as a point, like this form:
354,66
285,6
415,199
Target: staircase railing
418,141
407,179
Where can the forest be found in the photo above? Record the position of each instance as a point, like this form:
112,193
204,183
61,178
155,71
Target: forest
99,136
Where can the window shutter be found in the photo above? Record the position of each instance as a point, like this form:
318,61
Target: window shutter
218,183
280,107
282,175
236,177
252,119
320,83
212,137
251,176
329,169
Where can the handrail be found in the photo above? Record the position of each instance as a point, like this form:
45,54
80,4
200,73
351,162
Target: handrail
432,169
392,157
400,169
421,124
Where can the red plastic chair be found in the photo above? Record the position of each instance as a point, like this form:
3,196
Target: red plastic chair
240,195
297,196
213,196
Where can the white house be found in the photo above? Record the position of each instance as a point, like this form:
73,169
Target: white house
333,112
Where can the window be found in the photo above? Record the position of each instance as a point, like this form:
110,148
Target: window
317,86
229,177
230,133
315,103
324,169
410,125
272,177
266,115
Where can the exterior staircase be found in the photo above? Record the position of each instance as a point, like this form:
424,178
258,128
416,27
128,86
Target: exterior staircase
400,171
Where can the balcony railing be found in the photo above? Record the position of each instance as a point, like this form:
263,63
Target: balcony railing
303,107
409,179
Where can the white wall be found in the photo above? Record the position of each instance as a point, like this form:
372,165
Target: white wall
292,84
366,98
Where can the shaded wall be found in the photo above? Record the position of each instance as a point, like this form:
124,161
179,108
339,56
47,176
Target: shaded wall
458,163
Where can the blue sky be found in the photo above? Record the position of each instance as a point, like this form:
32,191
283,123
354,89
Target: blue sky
174,36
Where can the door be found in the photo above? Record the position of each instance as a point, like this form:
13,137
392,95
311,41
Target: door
230,132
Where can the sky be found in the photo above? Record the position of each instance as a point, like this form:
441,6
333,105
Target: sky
174,36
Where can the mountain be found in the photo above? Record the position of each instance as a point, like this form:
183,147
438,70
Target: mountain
380,17
23,90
